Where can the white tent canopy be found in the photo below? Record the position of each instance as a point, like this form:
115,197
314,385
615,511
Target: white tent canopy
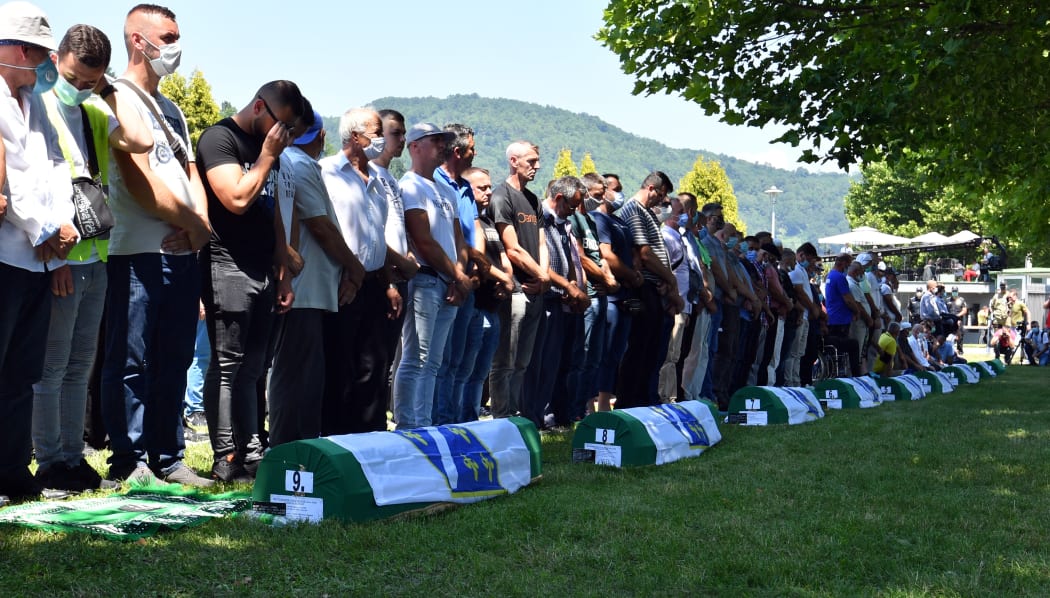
963,236
864,235
933,238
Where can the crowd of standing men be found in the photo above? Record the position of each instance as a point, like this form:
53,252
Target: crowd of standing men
329,288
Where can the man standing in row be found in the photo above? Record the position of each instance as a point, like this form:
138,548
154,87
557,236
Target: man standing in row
517,214
354,338
37,227
153,300
243,266
439,286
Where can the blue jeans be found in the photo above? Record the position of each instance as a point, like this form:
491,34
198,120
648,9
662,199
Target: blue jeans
707,389
151,316
587,351
448,404
618,329
428,321
195,375
25,309
60,398
487,344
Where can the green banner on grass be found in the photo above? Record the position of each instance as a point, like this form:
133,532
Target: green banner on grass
140,513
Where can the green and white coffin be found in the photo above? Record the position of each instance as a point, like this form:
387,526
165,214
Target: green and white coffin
362,477
997,365
847,393
962,374
646,435
937,382
985,369
901,388
764,405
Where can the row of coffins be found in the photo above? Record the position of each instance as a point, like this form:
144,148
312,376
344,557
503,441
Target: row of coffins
363,477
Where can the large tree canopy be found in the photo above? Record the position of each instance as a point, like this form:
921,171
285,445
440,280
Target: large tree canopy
957,85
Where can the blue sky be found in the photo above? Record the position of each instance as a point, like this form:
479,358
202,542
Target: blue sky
542,52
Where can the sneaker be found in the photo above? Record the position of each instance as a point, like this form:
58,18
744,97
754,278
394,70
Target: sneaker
139,474
186,476
227,469
196,420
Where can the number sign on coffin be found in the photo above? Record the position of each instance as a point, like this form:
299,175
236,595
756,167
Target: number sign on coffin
360,477
646,435
764,405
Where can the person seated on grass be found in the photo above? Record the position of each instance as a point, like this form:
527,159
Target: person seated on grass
887,350
919,345
947,350
908,363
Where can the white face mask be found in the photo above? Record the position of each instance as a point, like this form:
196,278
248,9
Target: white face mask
375,148
168,59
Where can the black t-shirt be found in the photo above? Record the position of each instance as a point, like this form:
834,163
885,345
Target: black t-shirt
246,240
521,210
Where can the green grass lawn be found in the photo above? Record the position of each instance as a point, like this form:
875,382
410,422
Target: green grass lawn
946,496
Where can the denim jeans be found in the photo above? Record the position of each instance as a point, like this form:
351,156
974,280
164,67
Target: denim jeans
618,329
240,311
519,320
487,343
152,307
195,375
428,321
448,404
25,309
587,351
60,398
707,386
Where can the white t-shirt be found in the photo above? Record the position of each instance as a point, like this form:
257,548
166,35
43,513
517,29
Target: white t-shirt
439,201
395,217
799,277
317,286
137,231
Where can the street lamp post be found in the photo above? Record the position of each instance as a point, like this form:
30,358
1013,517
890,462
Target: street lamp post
773,192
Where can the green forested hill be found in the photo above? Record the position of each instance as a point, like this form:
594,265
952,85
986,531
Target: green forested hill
811,205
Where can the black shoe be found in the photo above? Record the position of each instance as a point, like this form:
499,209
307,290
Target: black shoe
91,479
62,477
21,487
228,469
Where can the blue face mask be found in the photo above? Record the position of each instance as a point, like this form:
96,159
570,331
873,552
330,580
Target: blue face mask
683,221
752,255
46,76
69,95
730,242
703,233
804,263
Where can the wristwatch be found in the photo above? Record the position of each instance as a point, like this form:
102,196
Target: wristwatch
107,91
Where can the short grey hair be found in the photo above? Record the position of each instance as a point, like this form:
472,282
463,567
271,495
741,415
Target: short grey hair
519,148
353,121
568,187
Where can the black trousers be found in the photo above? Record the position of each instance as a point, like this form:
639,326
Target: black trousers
357,358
